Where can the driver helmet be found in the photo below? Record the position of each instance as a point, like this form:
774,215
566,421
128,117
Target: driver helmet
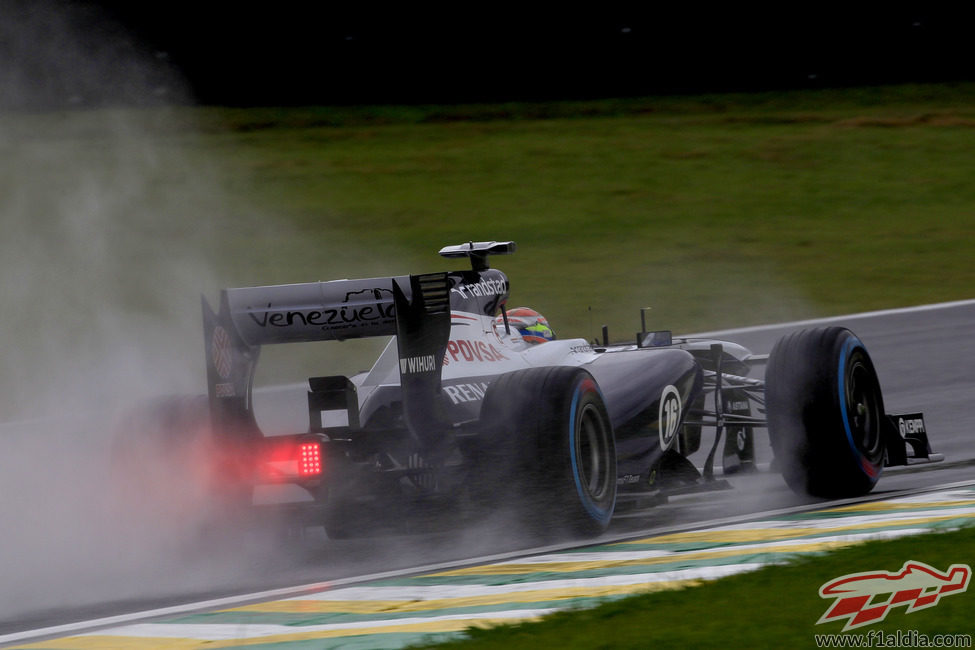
532,326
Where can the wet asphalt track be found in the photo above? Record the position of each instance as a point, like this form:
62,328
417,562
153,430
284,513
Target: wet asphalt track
925,361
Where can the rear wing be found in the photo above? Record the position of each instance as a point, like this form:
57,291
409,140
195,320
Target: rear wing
313,311
414,308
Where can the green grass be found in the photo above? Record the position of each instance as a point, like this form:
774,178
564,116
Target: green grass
774,607
716,211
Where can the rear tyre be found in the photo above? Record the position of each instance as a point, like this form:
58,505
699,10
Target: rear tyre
825,409
552,423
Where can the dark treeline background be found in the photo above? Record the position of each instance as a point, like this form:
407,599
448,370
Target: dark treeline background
313,53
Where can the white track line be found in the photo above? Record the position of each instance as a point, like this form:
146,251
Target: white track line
830,319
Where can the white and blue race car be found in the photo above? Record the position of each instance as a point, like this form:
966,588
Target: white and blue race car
473,407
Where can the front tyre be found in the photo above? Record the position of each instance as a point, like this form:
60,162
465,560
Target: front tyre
554,423
825,410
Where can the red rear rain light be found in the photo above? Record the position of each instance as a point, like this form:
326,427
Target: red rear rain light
309,459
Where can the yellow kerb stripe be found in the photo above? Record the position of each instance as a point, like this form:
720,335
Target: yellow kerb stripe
396,606
568,567
886,506
770,534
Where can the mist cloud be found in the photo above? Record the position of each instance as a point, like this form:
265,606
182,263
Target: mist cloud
106,245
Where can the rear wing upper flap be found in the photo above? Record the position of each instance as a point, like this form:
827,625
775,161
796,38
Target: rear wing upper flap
314,311
335,310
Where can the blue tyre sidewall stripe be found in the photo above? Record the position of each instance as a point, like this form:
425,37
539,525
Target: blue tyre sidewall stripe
594,511
851,343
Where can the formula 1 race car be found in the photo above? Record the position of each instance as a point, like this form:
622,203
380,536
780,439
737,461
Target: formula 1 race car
464,413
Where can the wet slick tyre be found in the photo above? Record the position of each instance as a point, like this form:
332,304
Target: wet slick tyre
552,427
824,409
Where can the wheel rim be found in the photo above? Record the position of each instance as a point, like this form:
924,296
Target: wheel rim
593,453
863,406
